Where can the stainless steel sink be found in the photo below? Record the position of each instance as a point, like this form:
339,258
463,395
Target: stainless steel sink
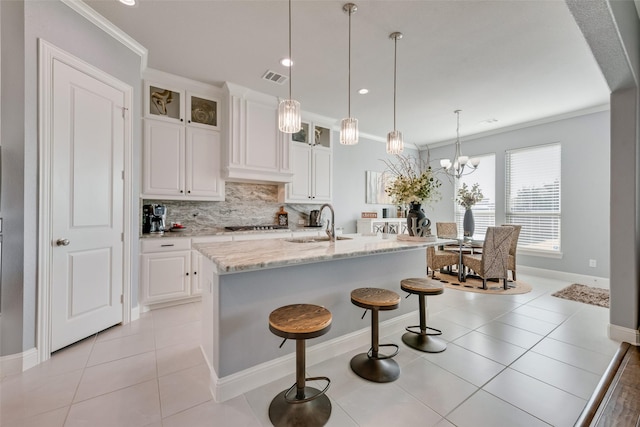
315,239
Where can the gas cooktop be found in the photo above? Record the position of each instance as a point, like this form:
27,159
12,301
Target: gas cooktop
256,227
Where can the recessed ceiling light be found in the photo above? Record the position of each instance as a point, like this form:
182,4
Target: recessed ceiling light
489,122
363,91
128,2
286,62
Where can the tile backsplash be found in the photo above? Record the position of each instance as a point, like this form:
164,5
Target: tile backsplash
245,204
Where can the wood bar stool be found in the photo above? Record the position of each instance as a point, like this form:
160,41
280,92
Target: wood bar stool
421,339
309,406
372,365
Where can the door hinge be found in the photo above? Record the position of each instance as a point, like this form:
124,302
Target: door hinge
121,298
123,111
122,237
122,175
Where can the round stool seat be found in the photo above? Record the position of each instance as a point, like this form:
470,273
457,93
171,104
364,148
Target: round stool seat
421,285
369,298
300,321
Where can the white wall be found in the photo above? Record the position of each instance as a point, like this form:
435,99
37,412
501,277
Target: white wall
585,185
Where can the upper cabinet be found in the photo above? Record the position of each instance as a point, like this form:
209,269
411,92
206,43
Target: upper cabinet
311,163
255,150
182,147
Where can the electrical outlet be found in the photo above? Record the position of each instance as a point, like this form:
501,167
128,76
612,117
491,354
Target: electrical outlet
592,263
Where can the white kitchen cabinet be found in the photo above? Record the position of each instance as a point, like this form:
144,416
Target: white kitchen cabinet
170,269
182,146
312,165
181,162
255,149
165,270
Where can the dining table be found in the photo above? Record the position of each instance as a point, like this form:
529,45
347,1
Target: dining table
466,244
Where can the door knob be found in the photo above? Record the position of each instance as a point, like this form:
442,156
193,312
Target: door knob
62,242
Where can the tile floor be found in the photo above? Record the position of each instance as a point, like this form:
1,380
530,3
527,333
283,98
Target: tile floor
521,360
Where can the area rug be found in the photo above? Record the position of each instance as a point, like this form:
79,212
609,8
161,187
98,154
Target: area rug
585,294
475,285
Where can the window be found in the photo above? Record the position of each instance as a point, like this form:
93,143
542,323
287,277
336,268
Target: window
533,196
484,213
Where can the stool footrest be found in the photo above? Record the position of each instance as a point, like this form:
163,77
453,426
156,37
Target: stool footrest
310,398
380,357
419,332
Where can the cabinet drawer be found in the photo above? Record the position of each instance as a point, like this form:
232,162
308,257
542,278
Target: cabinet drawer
164,245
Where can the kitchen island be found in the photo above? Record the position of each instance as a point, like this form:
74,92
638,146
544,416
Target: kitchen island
244,281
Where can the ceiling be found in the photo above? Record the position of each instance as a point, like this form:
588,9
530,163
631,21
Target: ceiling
512,61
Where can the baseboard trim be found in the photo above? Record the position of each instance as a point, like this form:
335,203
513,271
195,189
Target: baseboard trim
622,334
135,313
19,362
598,282
233,385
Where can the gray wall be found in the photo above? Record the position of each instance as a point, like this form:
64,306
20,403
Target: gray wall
585,187
58,24
349,165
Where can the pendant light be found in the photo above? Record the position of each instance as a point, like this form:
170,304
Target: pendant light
458,167
349,127
395,144
289,117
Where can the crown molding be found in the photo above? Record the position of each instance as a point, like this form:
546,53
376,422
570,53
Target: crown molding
108,27
550,119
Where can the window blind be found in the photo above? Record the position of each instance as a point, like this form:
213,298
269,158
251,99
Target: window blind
484,212
533,195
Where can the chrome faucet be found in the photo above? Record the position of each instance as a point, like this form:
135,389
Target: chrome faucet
331,228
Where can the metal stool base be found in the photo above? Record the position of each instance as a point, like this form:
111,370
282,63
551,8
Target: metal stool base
313,413
376,370
425,343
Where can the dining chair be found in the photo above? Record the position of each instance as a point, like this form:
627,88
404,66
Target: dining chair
492,263
438,258
513,248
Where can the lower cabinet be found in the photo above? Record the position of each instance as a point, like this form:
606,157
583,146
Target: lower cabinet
165,276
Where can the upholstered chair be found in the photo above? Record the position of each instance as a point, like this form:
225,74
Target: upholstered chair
513,248
492,263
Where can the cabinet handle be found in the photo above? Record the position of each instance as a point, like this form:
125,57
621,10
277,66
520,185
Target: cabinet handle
167,245
181,191
182,120
188,121
187,274
195,272
189,191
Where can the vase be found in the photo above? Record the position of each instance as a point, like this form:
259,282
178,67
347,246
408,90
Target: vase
422,223
468,223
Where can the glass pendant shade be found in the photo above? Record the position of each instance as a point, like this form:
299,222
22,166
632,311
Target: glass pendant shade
289,117
349,131
395,144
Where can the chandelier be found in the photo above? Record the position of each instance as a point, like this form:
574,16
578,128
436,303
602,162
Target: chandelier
461,165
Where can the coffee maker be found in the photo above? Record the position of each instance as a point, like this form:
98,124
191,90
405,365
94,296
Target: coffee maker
153,218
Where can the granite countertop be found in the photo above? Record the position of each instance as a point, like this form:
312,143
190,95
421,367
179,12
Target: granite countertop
240,256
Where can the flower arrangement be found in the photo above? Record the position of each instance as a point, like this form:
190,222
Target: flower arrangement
413,181
467,197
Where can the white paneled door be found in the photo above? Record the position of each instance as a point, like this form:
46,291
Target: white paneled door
87,195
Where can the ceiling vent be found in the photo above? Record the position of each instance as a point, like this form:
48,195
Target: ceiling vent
274,77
